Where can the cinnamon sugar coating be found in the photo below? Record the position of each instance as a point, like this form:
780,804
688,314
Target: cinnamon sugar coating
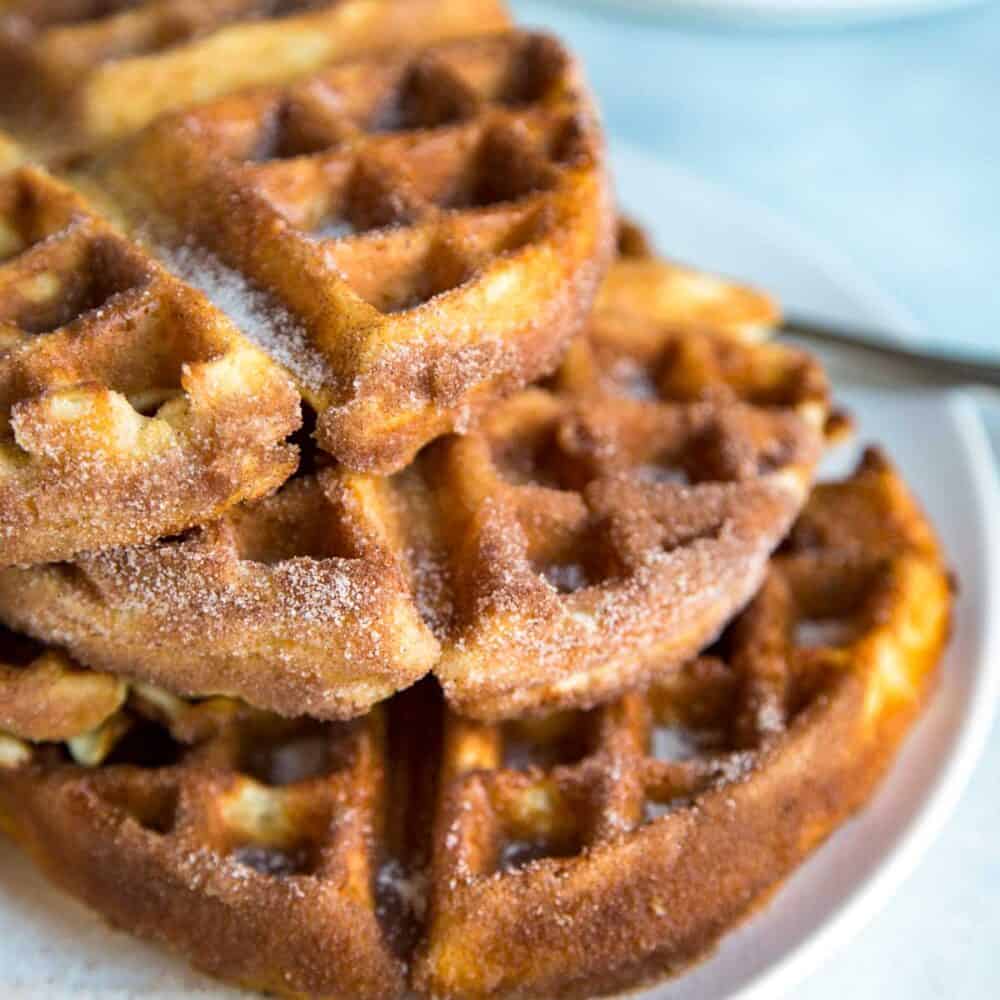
429,228
587,855
575,855
79,73
295,605
130,408
586,537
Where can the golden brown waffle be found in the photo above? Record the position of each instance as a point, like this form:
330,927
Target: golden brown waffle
613,522
130,408
579,542
10,153
417,233
645,289
74,73
266,834
295,604
580,854
569,862
44,696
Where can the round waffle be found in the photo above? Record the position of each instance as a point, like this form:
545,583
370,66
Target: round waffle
130,408
589,535
579,854
613,522
76,73
10,153
418,233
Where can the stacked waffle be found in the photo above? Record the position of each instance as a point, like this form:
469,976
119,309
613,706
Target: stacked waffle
412,583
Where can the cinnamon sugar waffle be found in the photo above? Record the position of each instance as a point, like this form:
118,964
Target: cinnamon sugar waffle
613,522
75,73
569,861
644,287
10,153
129,407
423,231
575,855
266,833
295,604
579,542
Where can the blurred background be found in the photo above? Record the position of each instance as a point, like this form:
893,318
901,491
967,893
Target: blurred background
879,142
882,140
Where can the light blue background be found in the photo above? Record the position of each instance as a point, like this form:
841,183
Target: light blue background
882,140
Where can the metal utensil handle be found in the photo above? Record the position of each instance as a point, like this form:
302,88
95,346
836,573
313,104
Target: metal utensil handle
929,363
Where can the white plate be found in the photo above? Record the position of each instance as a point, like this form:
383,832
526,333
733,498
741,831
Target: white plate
789,12
51,947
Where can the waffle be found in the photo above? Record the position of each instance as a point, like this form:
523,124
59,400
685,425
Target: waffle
45,697
295,605
129,407
553,552
250,806
580,854
66,66
570,862
415,234
649,291
10,153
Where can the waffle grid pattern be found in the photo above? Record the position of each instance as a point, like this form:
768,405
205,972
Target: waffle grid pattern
581,852
389,207
65,64
130,408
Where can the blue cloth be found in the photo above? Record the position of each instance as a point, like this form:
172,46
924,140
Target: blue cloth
883,141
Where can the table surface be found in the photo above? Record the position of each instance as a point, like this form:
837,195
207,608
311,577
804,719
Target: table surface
884,142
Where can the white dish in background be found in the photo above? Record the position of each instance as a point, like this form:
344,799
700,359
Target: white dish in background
789,13
51,947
